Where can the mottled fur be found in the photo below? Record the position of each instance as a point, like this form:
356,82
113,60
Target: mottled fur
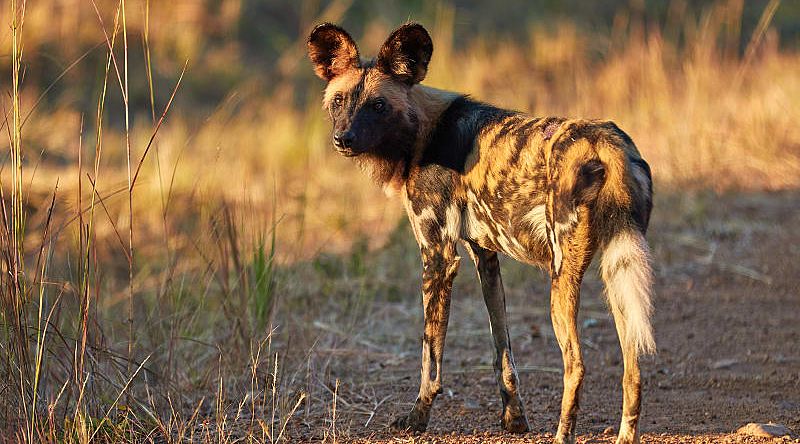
550,192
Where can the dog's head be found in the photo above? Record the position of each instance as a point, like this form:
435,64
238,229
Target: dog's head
368,101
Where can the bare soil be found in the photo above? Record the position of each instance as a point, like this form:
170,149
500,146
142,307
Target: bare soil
727,325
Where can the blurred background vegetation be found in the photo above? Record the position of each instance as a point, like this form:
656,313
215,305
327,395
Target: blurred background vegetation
697,84
231,44
241,202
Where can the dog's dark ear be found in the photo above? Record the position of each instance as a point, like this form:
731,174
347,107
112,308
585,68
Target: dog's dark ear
332,51
406,53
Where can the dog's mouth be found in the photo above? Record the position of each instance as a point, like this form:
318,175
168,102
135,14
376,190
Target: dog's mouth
348,152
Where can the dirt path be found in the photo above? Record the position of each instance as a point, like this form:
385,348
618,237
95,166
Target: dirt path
727,326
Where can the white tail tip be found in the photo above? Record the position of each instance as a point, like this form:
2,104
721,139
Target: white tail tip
627,274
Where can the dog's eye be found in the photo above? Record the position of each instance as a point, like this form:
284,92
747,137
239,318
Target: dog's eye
379,105
338,100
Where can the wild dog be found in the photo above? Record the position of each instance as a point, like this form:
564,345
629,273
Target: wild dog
546,191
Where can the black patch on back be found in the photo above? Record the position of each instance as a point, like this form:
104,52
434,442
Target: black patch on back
453,137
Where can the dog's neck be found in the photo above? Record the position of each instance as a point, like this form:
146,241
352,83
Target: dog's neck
429,104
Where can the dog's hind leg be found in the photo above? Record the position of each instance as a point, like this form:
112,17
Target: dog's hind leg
564,302
488,267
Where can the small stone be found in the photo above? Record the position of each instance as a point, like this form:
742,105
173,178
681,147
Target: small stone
724,363
608,430
590,322
768,430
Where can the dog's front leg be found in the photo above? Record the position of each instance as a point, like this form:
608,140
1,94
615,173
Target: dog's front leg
440,265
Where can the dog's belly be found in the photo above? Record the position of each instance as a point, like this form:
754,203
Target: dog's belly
517,232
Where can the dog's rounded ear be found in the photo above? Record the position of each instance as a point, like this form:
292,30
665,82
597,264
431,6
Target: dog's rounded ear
332,51
406,53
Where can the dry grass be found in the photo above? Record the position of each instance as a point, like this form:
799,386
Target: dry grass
245,254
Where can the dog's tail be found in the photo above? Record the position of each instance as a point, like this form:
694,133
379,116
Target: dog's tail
625,268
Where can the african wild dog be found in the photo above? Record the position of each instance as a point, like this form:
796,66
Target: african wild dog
545,191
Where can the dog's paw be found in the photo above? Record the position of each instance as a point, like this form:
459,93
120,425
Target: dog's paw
628,434
564,439
413,422
515,423
628,438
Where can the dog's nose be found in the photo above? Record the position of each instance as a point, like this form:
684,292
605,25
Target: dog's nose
343,139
